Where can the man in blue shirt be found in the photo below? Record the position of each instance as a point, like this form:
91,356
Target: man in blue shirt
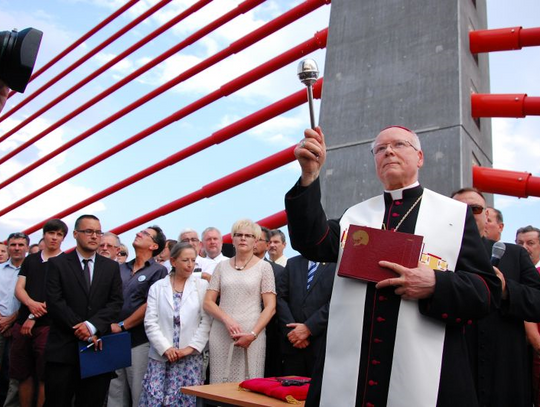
137,277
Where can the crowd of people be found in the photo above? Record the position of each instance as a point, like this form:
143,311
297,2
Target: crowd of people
194,315
201,313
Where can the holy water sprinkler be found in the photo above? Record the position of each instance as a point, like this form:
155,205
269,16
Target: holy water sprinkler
308,72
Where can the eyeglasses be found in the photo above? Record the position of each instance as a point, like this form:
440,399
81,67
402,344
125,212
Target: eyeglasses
17,235
244,235
90,232
146,233
122,254
476,209
107,245
190,239
263,240
395,144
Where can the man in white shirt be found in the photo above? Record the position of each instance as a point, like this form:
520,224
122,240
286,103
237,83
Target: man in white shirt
529,238
212,243
17,244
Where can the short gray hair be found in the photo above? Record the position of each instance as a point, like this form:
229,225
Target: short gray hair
416,139
210,229
115,236
527,229
187,230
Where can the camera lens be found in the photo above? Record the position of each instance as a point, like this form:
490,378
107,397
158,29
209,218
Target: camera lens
18,52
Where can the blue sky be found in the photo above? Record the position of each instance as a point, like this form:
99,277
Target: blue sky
63,21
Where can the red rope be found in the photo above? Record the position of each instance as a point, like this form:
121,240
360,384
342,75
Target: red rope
86,57
317,42
239,177
269,28
94,30
218,137
196,7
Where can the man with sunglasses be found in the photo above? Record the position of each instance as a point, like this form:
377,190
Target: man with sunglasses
400,341
137,277
84,296
497,343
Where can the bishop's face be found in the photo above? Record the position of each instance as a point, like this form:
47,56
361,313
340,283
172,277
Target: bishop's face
398,164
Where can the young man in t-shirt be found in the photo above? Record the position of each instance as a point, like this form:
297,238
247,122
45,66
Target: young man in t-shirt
31,330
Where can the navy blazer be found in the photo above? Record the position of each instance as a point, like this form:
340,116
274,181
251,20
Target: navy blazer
295,303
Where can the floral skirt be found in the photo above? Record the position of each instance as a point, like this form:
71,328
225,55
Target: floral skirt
163,381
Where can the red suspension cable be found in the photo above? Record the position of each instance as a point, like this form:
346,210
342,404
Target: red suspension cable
94,30
262,32
196,7
239,177
217,137
86,57
317,42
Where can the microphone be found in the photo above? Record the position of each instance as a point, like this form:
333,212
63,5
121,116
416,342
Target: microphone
497,252
308,72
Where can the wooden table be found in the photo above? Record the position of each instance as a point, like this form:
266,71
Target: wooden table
227,394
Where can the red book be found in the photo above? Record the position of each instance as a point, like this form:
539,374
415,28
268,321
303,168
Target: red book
365,247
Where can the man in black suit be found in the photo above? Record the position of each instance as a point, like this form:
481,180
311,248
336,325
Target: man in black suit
273,362
84,297
303,298
497,345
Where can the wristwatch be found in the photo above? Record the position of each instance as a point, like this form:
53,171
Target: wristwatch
121,325
254,334
31,317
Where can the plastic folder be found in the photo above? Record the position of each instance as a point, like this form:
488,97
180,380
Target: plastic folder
116,354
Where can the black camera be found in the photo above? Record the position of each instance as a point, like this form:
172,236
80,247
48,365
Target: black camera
18,52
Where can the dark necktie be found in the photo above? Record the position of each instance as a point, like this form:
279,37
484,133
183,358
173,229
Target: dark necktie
311,273
86,272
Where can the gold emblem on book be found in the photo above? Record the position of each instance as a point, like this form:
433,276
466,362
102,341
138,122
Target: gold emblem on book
360,237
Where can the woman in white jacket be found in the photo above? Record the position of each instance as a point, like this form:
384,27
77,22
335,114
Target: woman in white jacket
178,328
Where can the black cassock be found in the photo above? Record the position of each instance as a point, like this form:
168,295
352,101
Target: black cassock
498,346
318,239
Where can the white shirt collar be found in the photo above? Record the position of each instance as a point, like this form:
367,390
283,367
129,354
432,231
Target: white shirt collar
398,193
81,257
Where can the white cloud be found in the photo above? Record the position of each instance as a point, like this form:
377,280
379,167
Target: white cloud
514,142
275,130
237,64
51,202
125,66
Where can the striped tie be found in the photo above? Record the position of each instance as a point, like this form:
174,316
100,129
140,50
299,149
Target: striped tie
311,272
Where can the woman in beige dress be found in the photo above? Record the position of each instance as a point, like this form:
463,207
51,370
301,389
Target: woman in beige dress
247,301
